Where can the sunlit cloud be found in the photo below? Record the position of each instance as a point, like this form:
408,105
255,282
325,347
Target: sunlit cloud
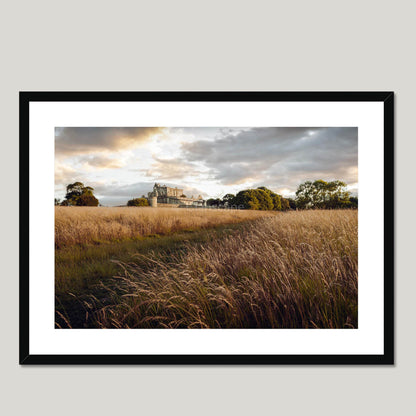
79,140
100,162
171,169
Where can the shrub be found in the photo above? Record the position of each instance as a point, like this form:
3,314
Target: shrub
138,202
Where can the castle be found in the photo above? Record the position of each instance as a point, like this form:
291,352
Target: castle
173,197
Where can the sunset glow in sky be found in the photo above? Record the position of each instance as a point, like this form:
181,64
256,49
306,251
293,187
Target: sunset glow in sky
122,163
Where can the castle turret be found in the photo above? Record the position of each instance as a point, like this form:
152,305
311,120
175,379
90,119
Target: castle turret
153,201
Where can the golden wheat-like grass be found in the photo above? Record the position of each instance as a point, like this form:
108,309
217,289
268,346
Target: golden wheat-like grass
81,225
292,270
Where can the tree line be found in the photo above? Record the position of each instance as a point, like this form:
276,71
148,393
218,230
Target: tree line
309,195
256,199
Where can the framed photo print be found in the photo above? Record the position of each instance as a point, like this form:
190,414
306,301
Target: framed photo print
206,228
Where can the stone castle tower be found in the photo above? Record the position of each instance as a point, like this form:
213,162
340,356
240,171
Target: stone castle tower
163,194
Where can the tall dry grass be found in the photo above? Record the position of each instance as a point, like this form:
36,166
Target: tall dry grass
80,225
293,270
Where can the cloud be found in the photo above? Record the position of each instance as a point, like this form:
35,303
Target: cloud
81,140
100,161
63,173
171,169
279,157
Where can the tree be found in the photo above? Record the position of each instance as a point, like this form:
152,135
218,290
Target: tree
277,200
354,201
304,195
241,200
228,199
73,192
292,203
253,203
138,202
214,202
86,200
337,195
256,199
285,204
265,198
322,195
57,201
80,195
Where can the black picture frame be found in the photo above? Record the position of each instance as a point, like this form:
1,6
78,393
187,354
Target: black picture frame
387,358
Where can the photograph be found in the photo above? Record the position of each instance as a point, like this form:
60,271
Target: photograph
206,227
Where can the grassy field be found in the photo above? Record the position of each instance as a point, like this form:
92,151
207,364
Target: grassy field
285,270
81,225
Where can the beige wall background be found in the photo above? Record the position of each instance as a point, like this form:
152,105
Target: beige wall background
215,45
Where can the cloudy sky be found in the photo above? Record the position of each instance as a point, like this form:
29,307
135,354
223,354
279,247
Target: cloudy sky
121,163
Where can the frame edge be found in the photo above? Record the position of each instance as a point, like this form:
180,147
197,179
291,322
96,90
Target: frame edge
25,97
